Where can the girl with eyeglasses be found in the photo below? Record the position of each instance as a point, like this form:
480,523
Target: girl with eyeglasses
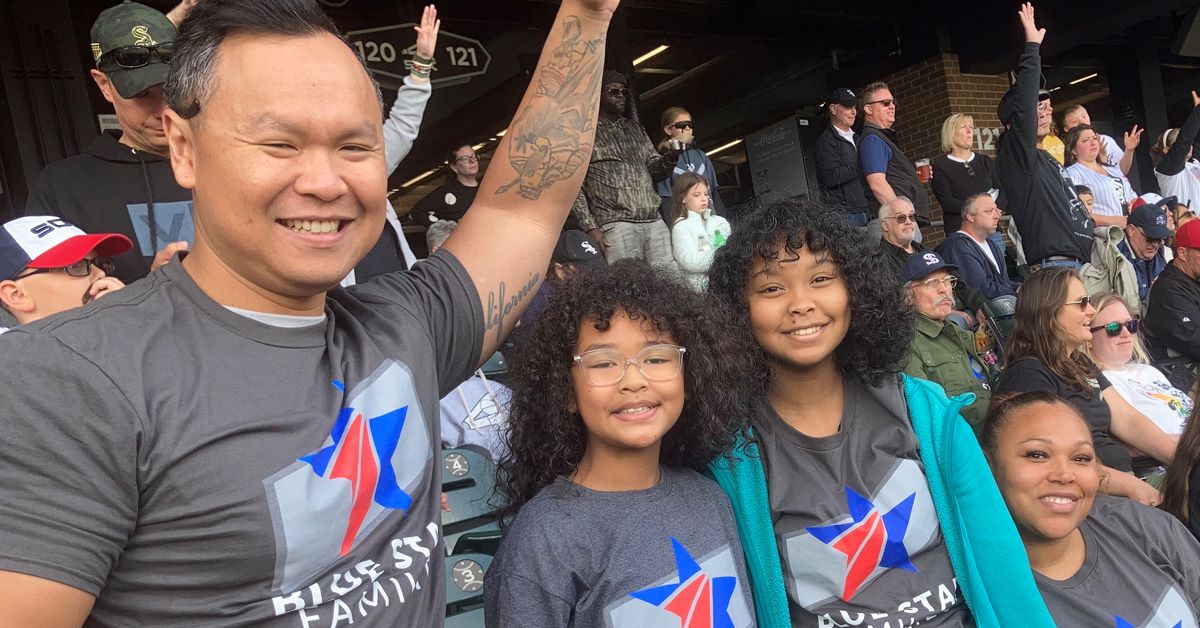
1047,352
1098,560
861,494
1117,348
625,387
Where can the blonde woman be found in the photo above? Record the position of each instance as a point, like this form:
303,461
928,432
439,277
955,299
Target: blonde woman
961,173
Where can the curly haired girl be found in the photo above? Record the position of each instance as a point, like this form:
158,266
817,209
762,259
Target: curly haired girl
625,388
862,497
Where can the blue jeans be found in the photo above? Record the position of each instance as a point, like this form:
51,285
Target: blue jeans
1059,263
857,219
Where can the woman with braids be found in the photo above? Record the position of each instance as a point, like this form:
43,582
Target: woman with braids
1098,560
862,497
1047,352
1181,491
624,389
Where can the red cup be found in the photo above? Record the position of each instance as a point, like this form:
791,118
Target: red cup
924,170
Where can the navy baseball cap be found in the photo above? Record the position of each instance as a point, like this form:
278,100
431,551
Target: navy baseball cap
1149,213
922,264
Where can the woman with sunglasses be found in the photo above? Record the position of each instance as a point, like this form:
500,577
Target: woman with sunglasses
680,133
1117,349
1047,352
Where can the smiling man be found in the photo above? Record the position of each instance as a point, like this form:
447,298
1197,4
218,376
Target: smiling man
236,440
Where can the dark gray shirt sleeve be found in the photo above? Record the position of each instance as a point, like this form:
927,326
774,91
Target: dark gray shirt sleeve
69,448
439,292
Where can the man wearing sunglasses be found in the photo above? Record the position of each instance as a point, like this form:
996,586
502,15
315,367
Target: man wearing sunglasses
1172,315
887,171
1145,233
48,265
123,182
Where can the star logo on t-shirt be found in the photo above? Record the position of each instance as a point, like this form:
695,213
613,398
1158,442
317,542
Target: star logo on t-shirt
698,600
871,540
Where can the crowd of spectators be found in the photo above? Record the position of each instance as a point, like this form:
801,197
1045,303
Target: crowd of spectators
229,376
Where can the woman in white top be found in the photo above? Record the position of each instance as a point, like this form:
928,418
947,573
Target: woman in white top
1088,165
1175,167
696,232
1118,349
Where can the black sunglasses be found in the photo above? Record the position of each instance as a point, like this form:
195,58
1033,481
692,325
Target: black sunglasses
683,124
82,268
616,91
130,57
1114,329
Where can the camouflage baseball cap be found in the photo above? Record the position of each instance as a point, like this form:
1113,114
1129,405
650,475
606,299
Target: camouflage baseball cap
132,24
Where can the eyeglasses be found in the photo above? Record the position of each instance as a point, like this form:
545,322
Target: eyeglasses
683,124
1044,107
1114,329
130,57
82,268
1083,302
903,218
605,367
465,159
934,284
616,91
970,170
886,102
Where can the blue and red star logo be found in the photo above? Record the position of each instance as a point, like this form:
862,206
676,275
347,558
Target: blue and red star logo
699,601
871,540
361,453
1125,623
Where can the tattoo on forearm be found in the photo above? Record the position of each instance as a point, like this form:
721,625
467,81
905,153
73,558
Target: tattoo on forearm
547,143
497,308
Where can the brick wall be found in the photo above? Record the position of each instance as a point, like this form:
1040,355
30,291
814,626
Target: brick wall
929,91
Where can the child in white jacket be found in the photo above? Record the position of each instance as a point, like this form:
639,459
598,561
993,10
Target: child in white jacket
696,233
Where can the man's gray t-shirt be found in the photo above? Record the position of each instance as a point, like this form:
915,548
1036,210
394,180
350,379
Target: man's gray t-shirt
854,520
191,466
1142,570
663,557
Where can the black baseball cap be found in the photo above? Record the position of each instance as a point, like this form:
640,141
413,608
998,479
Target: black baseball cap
843,97
575,247
922,264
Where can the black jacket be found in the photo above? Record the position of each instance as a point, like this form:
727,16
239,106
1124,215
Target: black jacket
1039,194
901,175
113,188
1172,319
975,268
837,170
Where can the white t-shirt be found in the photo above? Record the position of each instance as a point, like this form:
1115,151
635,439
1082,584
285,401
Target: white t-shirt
1147,390
987,250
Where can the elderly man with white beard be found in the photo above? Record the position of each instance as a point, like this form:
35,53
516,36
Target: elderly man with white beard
941,351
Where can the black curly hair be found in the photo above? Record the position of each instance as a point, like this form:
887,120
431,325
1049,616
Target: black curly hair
545,440
881,320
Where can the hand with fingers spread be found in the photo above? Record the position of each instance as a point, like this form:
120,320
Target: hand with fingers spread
1033,34
427,32
1133,138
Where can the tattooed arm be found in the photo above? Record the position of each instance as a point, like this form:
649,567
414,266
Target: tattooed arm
505,240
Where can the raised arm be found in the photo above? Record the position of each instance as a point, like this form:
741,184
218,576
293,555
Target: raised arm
404,120
1176,157
1029,72
505,240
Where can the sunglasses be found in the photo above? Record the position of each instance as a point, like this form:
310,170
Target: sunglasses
82,268
616,91
903,218
1083,302
1114,329
887,102
130,57
683,124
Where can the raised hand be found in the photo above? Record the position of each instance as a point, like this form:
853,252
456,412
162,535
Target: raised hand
181,11
1033,34
1195,100
427,32
1134,137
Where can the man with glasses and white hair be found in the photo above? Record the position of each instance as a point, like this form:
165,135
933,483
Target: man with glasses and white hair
941,351
898,221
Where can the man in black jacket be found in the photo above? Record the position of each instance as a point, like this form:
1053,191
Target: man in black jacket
1055,228
1172,321
886,170
837,159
